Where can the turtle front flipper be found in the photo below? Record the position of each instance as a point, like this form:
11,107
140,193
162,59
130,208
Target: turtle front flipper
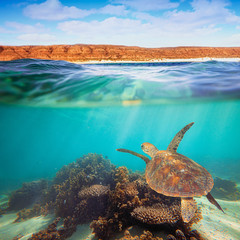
188,209
213,201
146,160
172,147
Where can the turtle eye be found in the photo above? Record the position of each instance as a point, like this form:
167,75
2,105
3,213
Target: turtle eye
141,145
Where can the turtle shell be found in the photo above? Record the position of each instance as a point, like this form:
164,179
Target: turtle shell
176,175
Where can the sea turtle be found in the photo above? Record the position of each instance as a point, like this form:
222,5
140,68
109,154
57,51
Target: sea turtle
175,175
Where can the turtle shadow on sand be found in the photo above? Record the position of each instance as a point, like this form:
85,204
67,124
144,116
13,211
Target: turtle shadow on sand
175,175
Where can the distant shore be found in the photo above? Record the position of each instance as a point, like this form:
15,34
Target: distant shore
83,53
162,60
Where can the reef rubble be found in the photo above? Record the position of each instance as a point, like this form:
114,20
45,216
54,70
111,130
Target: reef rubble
112,198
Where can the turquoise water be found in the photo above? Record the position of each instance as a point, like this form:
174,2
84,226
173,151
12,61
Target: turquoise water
35,142
53,112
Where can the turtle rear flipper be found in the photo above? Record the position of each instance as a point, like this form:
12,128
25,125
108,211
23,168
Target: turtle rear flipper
212,200
146,160
172,147
188,209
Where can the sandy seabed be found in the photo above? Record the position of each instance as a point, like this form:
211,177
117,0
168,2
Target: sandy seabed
215,225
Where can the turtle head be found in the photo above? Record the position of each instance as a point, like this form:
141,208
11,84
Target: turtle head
149,149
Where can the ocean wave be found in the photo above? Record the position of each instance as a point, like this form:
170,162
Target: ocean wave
60,83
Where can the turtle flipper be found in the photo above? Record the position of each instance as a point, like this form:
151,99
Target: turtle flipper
188,209
213,201
146,160
172,147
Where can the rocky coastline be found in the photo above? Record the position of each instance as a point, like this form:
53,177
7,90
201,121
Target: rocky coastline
114,53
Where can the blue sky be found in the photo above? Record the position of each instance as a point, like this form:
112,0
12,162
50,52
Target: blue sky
145,23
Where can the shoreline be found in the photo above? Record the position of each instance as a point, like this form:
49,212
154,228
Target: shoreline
206,59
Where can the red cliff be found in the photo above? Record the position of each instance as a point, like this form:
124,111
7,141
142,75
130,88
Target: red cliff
81,53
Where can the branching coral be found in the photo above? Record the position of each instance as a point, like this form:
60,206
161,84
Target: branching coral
158,213
147,235
89,170
51,233
36,210
93,203
56,233
94,191
28,213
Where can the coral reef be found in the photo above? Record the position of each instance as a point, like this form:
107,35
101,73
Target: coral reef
225,189
95,191
147,235
158,213
29,193
89,170
94,202
136,200
25,214
114,199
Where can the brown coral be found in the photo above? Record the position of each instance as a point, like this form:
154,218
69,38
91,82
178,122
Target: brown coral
25,214
52,232
122,175
147,235
180,235
131,189
93,203
91,169
158,213
96,190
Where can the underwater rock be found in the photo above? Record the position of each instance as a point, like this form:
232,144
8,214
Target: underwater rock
225,189
29,193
